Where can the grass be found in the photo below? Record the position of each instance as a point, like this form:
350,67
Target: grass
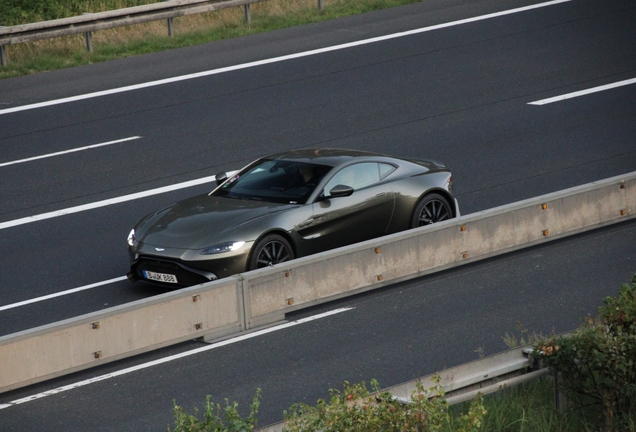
530,407
69,51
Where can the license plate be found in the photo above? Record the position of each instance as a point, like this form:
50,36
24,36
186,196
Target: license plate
160,277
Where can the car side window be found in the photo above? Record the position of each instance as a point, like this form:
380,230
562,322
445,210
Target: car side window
385,170
356,176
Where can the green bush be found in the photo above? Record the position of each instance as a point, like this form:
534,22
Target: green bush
597,363
217,418
355,409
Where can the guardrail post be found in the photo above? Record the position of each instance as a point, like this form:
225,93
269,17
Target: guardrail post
169,20
3,54
89,39
247,14
560,399
320,4
170,32
89,42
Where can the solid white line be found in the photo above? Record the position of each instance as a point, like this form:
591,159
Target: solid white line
111,201
172,358
61,293
277,59
583,92
98,204
69,151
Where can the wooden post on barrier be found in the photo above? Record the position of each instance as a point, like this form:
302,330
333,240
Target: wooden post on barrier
320,4
247,14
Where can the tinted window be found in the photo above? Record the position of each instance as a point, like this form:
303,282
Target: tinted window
277,181
385,169
357,176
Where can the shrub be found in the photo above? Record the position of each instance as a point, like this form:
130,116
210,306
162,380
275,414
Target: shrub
598,361
217,418
355,409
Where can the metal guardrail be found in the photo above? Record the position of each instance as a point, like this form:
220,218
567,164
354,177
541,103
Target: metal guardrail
463,383
90,22
262,297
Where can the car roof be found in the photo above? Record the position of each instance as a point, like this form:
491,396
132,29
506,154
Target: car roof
325,156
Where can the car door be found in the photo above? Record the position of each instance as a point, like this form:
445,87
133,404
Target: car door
365,214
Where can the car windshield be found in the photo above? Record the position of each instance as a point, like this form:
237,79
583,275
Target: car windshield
279,181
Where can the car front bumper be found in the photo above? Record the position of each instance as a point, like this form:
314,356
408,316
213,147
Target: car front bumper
147,263
143,267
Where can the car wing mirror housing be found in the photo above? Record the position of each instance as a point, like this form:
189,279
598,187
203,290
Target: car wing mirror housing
220,178
340,191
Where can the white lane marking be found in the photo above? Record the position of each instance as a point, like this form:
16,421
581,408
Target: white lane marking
69,151
172,358
61,293
277,59
583,92
111,201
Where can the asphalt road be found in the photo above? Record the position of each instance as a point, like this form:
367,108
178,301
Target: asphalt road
459,93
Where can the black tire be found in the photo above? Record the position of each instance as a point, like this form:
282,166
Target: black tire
271,249
431,209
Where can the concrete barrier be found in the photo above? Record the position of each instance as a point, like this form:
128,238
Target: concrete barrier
270,293
53,350
262,297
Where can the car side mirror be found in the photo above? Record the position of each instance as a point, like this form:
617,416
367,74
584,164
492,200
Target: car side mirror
340,191
220,178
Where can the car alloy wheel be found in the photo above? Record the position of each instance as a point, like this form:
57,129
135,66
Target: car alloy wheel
431,209
271,249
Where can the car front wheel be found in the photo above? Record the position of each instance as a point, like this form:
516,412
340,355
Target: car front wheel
431,209
271,249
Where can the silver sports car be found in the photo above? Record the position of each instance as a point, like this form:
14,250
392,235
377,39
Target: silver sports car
284,206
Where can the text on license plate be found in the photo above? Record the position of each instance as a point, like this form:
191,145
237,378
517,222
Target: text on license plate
160,277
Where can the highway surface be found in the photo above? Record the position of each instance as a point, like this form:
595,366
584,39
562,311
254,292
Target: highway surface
519,101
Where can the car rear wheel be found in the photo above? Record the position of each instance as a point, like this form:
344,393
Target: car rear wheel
271,249
431,209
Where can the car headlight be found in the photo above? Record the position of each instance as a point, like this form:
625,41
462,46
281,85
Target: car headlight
131,238
221,248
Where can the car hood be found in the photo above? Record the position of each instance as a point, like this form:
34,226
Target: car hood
203,221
